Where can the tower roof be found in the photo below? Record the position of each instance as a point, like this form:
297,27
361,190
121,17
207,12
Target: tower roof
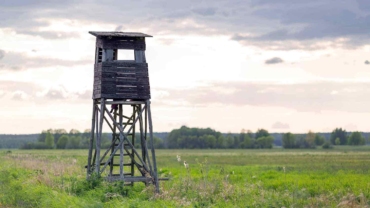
118,34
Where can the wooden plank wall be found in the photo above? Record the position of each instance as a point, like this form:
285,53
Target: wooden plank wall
134,43
121,79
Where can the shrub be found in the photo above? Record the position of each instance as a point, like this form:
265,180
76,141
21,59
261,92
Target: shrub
327,145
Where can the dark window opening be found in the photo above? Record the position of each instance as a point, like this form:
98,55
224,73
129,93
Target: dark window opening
99,55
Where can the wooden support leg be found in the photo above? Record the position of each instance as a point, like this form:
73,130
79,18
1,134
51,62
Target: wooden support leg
114,139
96,133
144,145
153,152
121,171
91,142
98,141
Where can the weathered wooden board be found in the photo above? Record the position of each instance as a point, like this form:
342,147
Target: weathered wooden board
120,63
140,87
121,66
122,90
121,96
121,82
119,34
112,74
108,80
121,43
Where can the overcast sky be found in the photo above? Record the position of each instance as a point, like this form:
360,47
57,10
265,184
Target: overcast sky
282,65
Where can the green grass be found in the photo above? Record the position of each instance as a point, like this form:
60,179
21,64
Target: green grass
216,178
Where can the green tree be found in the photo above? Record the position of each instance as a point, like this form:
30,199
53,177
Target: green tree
158,142
250,133
289,140
74,142
327,145
339,133
58,133
265,142
249,142
356,138
210,141
319,140
49,140
43,134
229,141
74,131
62,142
261,133
193,138
310,140
85,138
337,141
221,142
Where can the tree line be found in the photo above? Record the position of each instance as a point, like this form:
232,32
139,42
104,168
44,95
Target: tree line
61,139
191,138
74,139
199,138
338,136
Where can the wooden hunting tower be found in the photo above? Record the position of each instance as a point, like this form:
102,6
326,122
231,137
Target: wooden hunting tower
123,84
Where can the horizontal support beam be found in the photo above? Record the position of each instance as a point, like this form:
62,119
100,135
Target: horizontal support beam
123,102
129,179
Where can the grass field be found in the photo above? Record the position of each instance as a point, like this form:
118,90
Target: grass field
216,178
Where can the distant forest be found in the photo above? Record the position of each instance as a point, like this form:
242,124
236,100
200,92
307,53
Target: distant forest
190,138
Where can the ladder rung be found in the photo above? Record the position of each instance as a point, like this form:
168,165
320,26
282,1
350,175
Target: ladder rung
120,154
130,134
126,174
127,164
126,145
125,123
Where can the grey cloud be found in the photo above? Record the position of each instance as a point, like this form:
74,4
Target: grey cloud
19,95
85,95
367,62
281,2
280,125
364,5
313,97
14,61
119,28
14,86
2,54
36,93
21,90
205,11
275,60
281,34
267,22
303,21
50,34
60,93
56,94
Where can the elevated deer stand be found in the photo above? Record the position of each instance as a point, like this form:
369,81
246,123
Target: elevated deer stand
123,84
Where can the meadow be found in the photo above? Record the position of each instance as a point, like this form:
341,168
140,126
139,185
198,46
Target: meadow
336,177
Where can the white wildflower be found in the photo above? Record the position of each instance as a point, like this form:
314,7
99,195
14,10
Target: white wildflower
186,164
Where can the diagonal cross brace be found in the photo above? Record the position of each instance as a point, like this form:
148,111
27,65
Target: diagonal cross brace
124,138
114,140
